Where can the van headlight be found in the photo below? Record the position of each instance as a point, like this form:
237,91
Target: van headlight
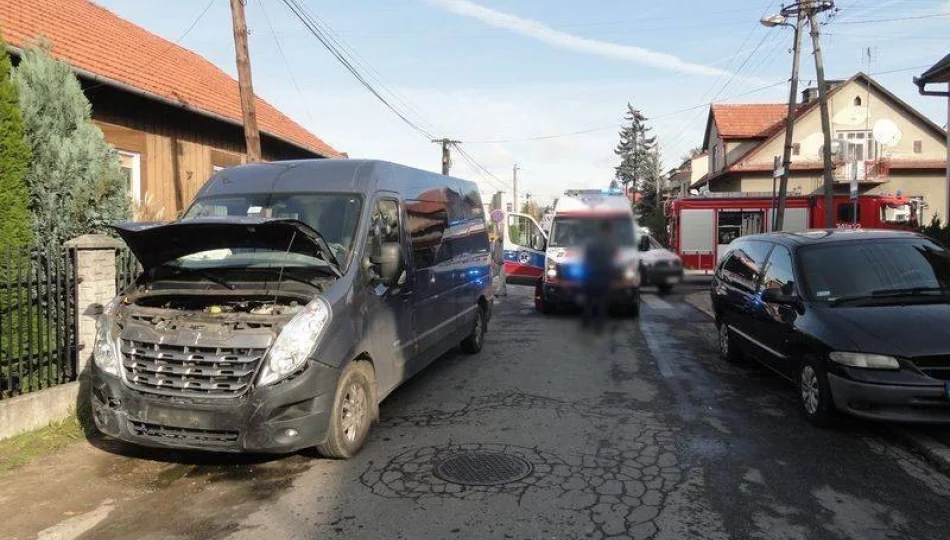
105,352
864,360
295,342
550,268
629,273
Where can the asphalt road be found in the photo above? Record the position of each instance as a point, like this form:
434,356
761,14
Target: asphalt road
642,433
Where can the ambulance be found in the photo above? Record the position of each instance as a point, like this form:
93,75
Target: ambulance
553,262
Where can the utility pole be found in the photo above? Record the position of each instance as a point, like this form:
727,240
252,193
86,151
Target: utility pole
446,155
789,127
248,107
514,187
813,9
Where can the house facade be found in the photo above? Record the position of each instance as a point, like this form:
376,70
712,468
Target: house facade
173,116
880,141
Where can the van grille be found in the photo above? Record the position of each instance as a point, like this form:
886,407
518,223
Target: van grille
191,371
937,367
185,435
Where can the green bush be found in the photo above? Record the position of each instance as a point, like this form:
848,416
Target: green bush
14,162
74,180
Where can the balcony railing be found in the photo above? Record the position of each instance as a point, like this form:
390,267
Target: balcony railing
867,171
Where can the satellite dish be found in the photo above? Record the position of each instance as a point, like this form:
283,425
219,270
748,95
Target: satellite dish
886,132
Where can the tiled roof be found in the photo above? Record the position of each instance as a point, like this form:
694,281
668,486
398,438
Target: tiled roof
748,120
93,39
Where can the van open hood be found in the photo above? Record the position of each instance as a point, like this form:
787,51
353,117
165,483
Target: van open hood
157,243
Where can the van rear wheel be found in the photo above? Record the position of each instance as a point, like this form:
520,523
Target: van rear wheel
354,409
474,342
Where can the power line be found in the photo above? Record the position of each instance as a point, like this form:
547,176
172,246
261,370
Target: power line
290,70
616,126
479,168
171,45
314,28
373,74
894,19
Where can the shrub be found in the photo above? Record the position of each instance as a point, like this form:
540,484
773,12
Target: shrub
74,181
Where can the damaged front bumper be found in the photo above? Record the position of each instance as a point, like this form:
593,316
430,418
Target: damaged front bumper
281,418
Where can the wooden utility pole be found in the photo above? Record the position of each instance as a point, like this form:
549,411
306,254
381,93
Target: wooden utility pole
815,8
446,154
248,109
779,220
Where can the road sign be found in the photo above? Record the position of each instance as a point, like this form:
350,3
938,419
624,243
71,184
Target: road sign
854,188
497,215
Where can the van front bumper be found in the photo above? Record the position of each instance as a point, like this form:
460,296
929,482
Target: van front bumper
281,418
892,402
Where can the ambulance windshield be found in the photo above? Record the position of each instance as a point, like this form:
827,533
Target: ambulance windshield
577,231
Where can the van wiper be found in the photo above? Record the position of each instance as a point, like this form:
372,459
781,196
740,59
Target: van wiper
911,291
210,276
935,292
289,274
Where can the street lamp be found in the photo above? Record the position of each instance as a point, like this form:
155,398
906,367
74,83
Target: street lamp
771,21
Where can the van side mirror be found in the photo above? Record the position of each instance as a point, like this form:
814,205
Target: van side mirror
776,296
389,262
644,243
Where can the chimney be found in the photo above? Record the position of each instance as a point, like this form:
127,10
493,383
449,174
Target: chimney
811,93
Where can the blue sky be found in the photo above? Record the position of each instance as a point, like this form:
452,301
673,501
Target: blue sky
485,70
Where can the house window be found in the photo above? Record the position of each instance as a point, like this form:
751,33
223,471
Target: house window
131,165
796,149
857,101
713,155
858,146
918,147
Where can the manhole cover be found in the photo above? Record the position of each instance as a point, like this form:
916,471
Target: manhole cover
482,469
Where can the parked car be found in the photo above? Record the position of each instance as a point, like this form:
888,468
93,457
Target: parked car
856,319
658,265
287,303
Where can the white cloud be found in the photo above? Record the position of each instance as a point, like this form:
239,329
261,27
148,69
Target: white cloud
542,32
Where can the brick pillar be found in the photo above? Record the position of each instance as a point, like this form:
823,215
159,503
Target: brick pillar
95,278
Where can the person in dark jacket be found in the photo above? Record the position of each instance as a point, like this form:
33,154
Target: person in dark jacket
598,273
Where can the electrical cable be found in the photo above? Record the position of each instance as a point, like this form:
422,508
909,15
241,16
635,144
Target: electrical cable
315,29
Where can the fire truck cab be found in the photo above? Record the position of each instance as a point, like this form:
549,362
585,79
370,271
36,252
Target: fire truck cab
701,228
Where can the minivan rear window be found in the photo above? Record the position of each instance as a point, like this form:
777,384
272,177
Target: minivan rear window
856,269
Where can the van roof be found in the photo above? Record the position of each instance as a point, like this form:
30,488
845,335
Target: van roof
333,175
827,236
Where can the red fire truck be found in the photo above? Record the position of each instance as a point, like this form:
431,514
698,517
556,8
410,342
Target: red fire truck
701,227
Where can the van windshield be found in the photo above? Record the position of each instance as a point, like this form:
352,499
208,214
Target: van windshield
573,231
334,215
880,269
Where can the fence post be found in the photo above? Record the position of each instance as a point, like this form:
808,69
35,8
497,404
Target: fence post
95,286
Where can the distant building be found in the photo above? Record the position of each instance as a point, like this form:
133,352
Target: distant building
173,116
885,144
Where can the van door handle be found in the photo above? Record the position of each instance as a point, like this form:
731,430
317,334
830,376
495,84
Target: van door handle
432,279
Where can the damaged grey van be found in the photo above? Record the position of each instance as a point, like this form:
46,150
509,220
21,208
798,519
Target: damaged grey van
287,303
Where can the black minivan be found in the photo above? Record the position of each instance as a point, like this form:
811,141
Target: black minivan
287,303
856,319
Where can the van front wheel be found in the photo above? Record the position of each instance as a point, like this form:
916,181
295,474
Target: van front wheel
473,343
354,409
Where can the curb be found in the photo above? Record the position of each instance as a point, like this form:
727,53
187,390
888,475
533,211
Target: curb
935,452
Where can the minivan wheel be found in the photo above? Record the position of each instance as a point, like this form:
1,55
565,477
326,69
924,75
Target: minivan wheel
474,342
815,394
354,409
727,345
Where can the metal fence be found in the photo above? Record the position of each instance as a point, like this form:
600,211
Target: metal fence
126,269
37,318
